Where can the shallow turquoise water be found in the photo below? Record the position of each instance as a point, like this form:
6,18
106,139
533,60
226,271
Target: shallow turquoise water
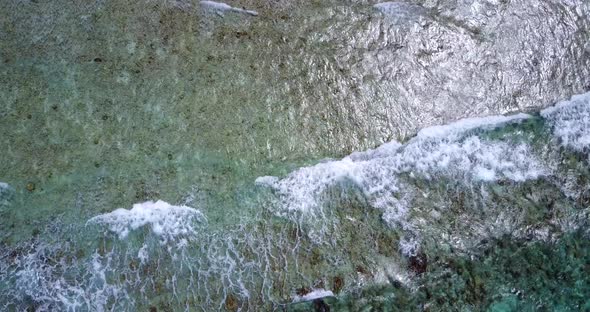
155,157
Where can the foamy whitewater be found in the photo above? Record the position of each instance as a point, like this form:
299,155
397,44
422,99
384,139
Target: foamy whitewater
387,175
314,294
441,151
571,121
165,220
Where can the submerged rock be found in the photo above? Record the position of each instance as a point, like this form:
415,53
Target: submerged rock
231,303
418,263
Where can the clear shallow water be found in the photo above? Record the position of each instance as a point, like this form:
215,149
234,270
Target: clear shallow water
487,213
227,118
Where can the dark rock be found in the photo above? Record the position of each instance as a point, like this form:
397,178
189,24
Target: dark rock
320,306
231,303
337,284
418,263
361,269
302,291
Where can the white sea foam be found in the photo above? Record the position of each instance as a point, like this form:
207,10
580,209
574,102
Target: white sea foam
440,151
165,220
53,287
4,186
467,124
303,186
143,254
571,121
266,180
221,8
384,150
314,294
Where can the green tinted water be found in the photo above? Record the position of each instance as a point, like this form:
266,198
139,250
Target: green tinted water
111,104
